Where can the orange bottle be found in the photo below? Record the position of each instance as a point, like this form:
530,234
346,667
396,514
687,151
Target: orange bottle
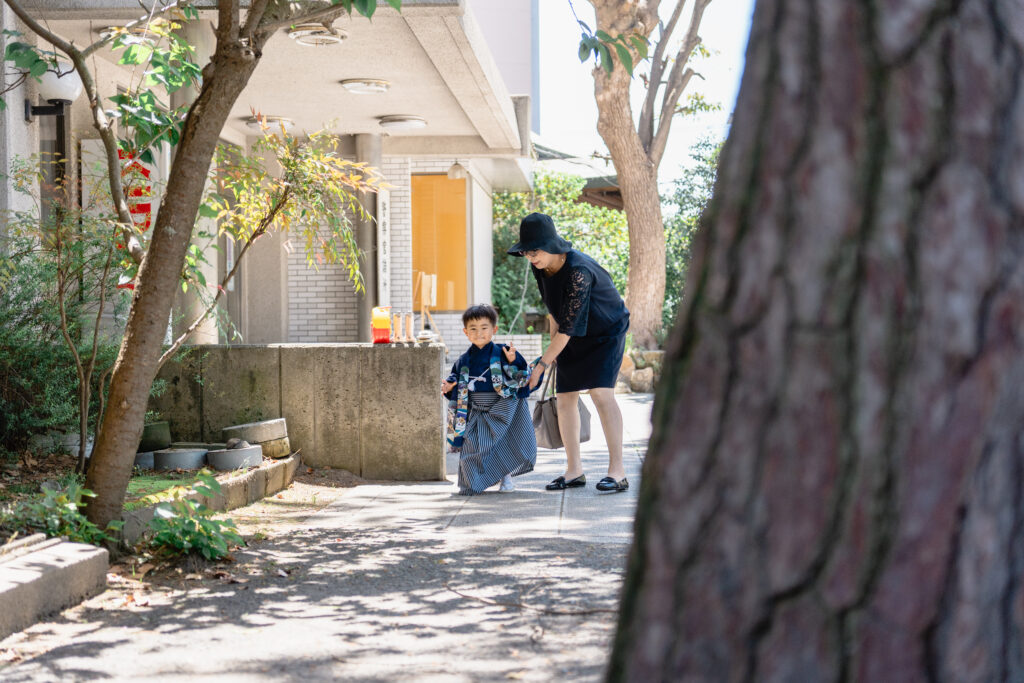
380,325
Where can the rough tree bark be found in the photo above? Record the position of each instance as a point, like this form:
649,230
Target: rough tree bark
637,148
835,485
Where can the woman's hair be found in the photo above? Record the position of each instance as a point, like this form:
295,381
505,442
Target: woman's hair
479,311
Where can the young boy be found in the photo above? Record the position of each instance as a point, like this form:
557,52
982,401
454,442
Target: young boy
489,423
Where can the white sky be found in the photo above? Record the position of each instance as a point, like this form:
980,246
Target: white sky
568,116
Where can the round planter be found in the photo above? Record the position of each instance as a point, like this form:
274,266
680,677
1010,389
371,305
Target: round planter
234,458
257,432
179,458
144,461
155,436
278,448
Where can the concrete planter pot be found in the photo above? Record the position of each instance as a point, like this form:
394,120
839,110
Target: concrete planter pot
155,436
235,458
179,458
144,461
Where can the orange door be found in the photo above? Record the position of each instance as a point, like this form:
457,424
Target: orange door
439,238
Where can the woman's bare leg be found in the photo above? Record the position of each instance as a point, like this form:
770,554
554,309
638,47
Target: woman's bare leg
611,422
569,426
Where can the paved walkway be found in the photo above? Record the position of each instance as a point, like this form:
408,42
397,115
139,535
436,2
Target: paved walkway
382,582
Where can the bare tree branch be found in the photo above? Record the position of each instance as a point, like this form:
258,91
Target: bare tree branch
677,82
100,121
254,16
323,13
646,125
227,21
260,230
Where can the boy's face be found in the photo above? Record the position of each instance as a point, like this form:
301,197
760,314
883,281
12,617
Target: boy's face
480,331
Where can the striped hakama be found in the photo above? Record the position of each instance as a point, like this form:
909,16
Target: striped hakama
498,440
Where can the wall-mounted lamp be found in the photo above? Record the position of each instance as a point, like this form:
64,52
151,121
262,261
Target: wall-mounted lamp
60,88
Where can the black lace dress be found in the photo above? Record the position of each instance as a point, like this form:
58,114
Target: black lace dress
588,308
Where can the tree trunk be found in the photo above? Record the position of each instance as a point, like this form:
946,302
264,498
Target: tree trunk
638,182
835,485
160,274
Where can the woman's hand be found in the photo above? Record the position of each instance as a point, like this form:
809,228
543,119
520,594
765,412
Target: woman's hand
538,370
447,386
510,353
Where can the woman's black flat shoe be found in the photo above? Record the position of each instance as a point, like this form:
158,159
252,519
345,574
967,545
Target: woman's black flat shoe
609,484
560,483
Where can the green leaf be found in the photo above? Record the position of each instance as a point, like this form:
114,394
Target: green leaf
624,57
606,57
585,50
584,27
605,37
38,69
641,46
396,4
3,105
207,211
184,286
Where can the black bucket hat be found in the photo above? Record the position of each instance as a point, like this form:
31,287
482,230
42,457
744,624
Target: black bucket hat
537,231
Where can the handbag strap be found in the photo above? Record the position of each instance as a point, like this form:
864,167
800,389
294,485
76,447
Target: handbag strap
547,380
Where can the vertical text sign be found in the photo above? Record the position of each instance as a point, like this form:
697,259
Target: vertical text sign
383,248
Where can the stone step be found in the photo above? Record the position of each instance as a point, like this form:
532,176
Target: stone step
48,578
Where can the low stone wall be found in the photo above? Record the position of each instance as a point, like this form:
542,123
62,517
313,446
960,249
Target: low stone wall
372,409
235,491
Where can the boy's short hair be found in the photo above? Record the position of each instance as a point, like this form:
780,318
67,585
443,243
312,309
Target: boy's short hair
480,311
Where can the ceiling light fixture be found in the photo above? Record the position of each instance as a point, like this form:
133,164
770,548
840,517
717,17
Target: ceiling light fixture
316,35
457,172
402,122
365,86
273,123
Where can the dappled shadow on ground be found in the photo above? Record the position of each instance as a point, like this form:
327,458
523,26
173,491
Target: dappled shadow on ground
363,604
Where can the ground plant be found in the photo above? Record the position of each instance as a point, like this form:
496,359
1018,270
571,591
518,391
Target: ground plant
181,526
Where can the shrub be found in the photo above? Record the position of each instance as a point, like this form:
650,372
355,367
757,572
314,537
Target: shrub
183,527
598,232
56,513
690,195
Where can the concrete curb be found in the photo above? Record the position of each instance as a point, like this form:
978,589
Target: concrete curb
269,478
43,577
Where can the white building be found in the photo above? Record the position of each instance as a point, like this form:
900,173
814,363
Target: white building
467,68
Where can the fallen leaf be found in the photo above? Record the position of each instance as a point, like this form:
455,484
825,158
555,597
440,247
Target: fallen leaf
280,495
140,599
283,573
143,570
193,577
516,675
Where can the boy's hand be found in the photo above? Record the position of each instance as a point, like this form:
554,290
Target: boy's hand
510,353
446,387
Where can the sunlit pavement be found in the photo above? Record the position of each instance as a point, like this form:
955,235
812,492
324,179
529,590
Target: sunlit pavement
398,582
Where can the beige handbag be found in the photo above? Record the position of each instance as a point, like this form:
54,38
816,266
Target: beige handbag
545,418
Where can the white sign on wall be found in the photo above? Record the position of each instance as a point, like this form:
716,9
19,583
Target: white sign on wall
383,248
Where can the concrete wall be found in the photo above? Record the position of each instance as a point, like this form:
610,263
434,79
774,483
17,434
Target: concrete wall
374,410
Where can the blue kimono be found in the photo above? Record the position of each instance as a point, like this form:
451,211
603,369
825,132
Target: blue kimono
489,422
